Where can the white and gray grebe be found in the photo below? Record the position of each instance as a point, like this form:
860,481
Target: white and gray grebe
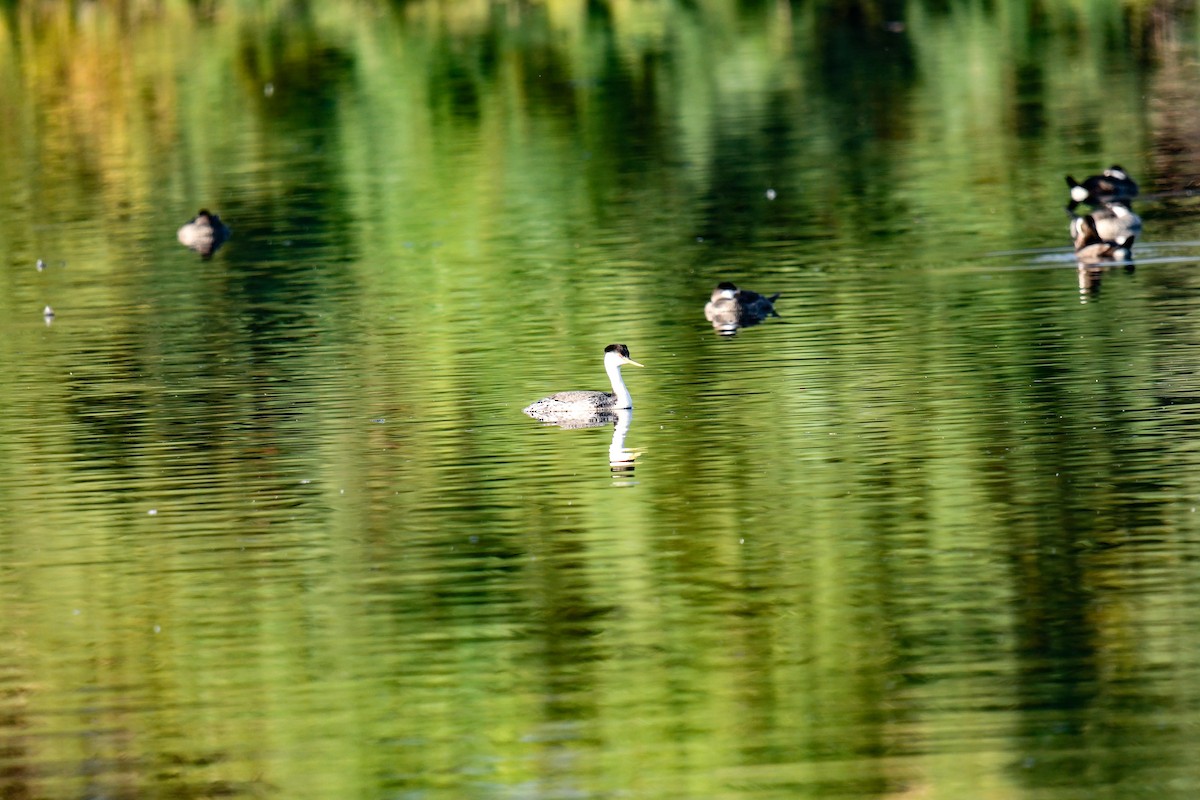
585,403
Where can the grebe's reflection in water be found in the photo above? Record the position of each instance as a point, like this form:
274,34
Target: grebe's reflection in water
620,458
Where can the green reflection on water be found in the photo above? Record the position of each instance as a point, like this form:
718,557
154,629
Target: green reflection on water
272,523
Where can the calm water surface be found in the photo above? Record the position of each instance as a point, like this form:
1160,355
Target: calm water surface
272,523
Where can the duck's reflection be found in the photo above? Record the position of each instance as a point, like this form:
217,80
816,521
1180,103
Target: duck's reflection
1092,275
731,308
620,458
204,233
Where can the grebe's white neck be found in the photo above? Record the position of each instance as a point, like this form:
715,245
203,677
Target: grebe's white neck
612,365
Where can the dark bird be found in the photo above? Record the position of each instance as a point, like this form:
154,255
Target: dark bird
1111,186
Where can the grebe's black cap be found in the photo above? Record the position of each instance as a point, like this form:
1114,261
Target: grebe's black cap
622,351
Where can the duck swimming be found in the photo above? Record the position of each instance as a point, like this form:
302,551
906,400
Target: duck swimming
204,233
1093,248
730,307
586,403
1111,186
1114,222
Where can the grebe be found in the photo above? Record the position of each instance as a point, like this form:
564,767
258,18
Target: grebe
204,233
587,404
731,307
1111,186
1092,248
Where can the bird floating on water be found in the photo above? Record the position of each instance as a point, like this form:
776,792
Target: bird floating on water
1114,222
1111,186
1108,232
1091,247
586,404
204,233
731,308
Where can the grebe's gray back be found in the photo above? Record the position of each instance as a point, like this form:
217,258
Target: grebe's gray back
585,403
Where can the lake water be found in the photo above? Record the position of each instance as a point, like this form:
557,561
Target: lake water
272,523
